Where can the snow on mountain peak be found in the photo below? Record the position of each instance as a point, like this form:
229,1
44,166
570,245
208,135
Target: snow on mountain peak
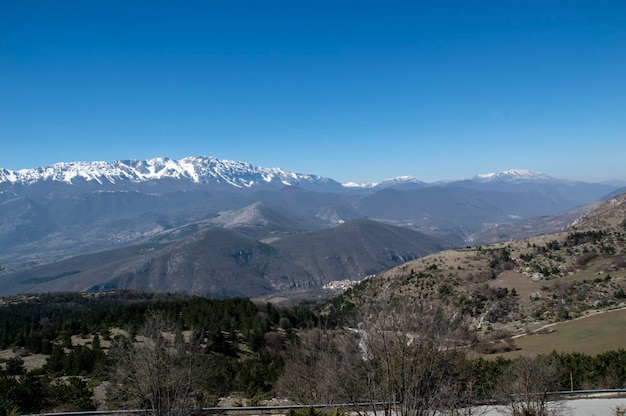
364,185
397,181
512,175
200,169
205,169
400,180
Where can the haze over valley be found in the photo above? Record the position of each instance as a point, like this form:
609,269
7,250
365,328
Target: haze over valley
209,227
414,208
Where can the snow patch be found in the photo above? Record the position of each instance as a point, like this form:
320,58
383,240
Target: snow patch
199,169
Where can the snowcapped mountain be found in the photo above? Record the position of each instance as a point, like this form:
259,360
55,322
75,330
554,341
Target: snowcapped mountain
400,181
209,170
512,176
67,209
397,182
360,185
197,170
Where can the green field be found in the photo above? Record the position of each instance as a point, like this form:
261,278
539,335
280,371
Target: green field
591,335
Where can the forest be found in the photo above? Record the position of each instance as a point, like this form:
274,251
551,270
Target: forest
201,349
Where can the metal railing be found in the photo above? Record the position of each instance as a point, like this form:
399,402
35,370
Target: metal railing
254,410
221,410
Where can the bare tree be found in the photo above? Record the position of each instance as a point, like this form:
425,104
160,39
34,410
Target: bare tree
525,386
415,357
409,354
320,368
156,371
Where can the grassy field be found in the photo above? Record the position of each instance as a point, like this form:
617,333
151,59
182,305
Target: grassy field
591,335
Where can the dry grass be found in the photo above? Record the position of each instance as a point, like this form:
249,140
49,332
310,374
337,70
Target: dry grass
553,280
31,362
593,334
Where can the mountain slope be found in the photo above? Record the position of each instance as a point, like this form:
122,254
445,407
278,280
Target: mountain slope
531,227
457,212
518,285
609,216
214,262
355,249
68,209
219,262
265,221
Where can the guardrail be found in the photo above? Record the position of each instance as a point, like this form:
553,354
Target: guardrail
572,394
221,410
256,410
587,392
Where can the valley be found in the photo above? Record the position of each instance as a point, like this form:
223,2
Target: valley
277,231
255,288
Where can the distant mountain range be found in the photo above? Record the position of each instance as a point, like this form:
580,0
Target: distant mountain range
196,170
221,262
90,208
209,170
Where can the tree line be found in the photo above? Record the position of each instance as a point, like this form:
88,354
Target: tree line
173,352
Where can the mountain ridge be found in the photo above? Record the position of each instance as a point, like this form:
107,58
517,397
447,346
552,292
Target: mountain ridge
197,170
205,169
48,214
221,262
512,175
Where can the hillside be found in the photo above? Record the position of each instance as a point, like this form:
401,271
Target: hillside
355,249
531,227
461,211
520,285
67,209
265,221
222,262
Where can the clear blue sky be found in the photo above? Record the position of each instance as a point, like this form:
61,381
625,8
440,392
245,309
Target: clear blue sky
352,90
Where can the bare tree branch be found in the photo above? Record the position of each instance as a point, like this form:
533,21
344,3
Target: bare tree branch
409,354
415,356
525,384
156,371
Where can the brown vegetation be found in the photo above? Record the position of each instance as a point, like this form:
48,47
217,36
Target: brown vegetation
519,285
